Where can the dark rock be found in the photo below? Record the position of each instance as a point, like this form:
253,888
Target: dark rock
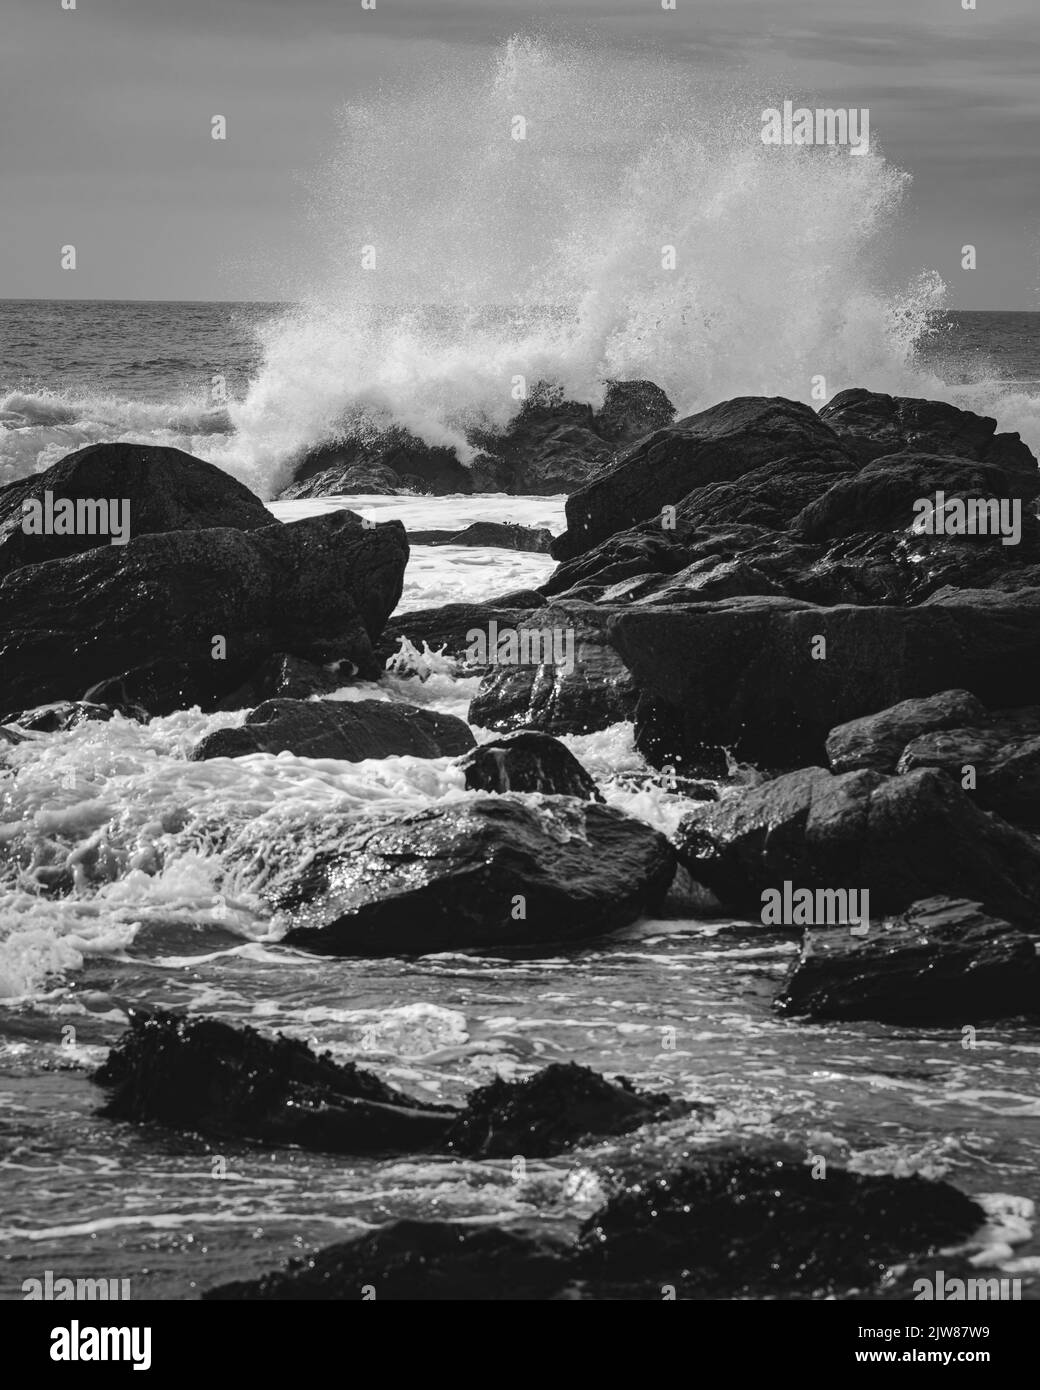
376,464
717,445
319,589
741,673
900,838
351,730
595,692
485,872
877,740
881,495
559,1107
167,490
231,1083
942,962
287,678
761,1225
1003,753
58,718
427,1260
528,762
872,425
501,535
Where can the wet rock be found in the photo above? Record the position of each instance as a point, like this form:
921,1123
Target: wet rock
165,489
528,762
65,715
899,838
941,962
231,1083
591,691
501,535
717,445
485,872
427,1260
877,740
376,464
882,495
288,678
319,589
561,1106
751,675
872,424
761,1225
997,758
349,730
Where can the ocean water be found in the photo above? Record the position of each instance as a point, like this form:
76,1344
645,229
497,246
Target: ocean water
561,280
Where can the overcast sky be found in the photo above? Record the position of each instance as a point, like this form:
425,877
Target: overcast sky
105,110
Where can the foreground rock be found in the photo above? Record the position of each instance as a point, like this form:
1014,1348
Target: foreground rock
877,740
164,490
528,762
899,838
65,715
150,613
769,678
487,872
231,1083
743,1225
224,1082
942,962
349,730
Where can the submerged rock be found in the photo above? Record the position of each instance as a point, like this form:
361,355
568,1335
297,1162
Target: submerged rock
65,715
501,535
528,762
562,1106
428,1260
184,617
163,489
899,838
352,730
224,1082
488,872
941,962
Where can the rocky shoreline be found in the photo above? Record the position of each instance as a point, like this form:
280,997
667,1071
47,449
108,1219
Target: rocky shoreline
832,620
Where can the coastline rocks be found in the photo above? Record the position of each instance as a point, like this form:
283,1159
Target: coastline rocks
770,677
166,489
877,740
560,1107
149,612
528,762
487,872
376,465
743,1223
446,629
346,729
231,1083
900,838
941,962
872,424
717,445
65,715
592,691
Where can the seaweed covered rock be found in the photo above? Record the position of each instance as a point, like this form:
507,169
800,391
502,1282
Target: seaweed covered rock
224,1082
941,962
528,762
561,1106
350,730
